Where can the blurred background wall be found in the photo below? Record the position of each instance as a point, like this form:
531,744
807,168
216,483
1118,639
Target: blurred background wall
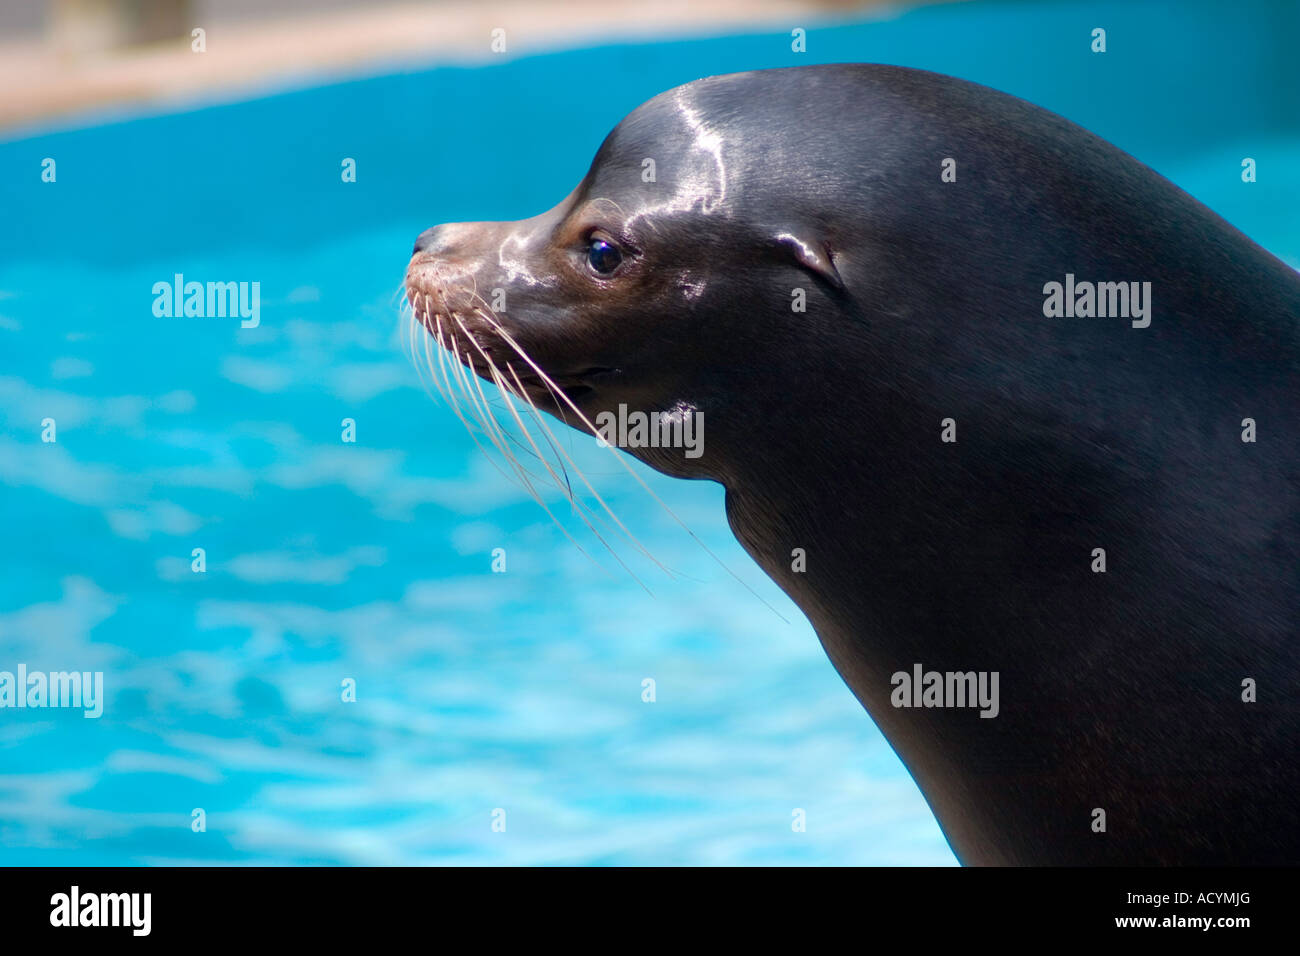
63,56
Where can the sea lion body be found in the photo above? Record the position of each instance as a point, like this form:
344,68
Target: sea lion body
1124,691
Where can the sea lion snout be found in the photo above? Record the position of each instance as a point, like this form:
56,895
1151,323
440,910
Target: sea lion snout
447,262
442,284
459,280
425,240
445,237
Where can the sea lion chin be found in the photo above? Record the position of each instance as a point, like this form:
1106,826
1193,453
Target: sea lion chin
857,275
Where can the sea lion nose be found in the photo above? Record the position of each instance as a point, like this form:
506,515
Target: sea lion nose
444,238
426,240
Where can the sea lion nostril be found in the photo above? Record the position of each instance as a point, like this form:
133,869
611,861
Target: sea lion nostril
426,240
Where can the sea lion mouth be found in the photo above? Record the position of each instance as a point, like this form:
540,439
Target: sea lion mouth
541,391
476,338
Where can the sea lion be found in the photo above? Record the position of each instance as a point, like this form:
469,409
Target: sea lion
1036,427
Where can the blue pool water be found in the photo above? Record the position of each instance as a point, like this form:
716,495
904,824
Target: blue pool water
372,560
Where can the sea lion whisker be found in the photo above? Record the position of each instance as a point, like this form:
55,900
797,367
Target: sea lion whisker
582,509
486,402
415,328
413,351
419,353
508,338
400,292
484,417
567,487
457,375
524,475
455,408
486,422
582,476
470,427
586,514
552,389
488,417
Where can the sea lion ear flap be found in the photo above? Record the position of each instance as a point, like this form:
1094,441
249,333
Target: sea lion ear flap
813,256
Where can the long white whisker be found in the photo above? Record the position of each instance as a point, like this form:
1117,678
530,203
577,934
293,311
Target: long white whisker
455,407
487,424
583,478
581,508
626,467
505,390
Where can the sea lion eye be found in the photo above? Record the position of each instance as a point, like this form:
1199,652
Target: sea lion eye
603,256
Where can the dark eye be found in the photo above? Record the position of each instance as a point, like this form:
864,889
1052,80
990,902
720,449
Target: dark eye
603,256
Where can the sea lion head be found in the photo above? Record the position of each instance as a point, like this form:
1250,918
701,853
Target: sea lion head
664,282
